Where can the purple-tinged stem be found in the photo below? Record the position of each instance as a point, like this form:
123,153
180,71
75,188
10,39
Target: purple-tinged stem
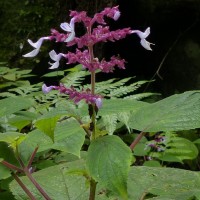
40,189
12,167
26,190
137,139
32,157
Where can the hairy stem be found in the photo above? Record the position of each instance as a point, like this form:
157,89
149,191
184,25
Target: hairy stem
26,190
93,185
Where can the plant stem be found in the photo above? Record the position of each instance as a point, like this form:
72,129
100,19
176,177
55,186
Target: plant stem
40,189
93,185
32,157
137,139
26,190
10,166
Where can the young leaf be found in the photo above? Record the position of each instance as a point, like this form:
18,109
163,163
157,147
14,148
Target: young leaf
108,162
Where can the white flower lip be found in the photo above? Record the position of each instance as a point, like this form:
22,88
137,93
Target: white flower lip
36,45
143,36
68,27
55,57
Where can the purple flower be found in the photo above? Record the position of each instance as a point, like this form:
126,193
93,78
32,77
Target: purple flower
36,45
75,95
98,102
46,89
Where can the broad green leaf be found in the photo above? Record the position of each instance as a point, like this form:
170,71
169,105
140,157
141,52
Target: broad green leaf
37,138
47,125
69,137
61,182
163,183
57,182
177,112
113,106
13,104
6,153
19,122
12,138
4,171
108,162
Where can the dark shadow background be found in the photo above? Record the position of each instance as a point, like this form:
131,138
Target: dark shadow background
175,30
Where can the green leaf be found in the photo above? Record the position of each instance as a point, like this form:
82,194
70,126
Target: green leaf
19,122
163,183
37,138
108,162
12,138
56,182
13,104
113,106
177,112
47,125
69,137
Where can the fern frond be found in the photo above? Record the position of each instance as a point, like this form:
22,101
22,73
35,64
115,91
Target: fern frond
141,96
75,77
124,118
106,87
125,90
110,123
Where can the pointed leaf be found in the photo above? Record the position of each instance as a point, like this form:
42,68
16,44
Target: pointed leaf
108,162
177,112
47,125
69,137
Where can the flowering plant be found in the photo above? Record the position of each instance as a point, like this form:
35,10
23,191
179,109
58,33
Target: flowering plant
69,153
96,31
